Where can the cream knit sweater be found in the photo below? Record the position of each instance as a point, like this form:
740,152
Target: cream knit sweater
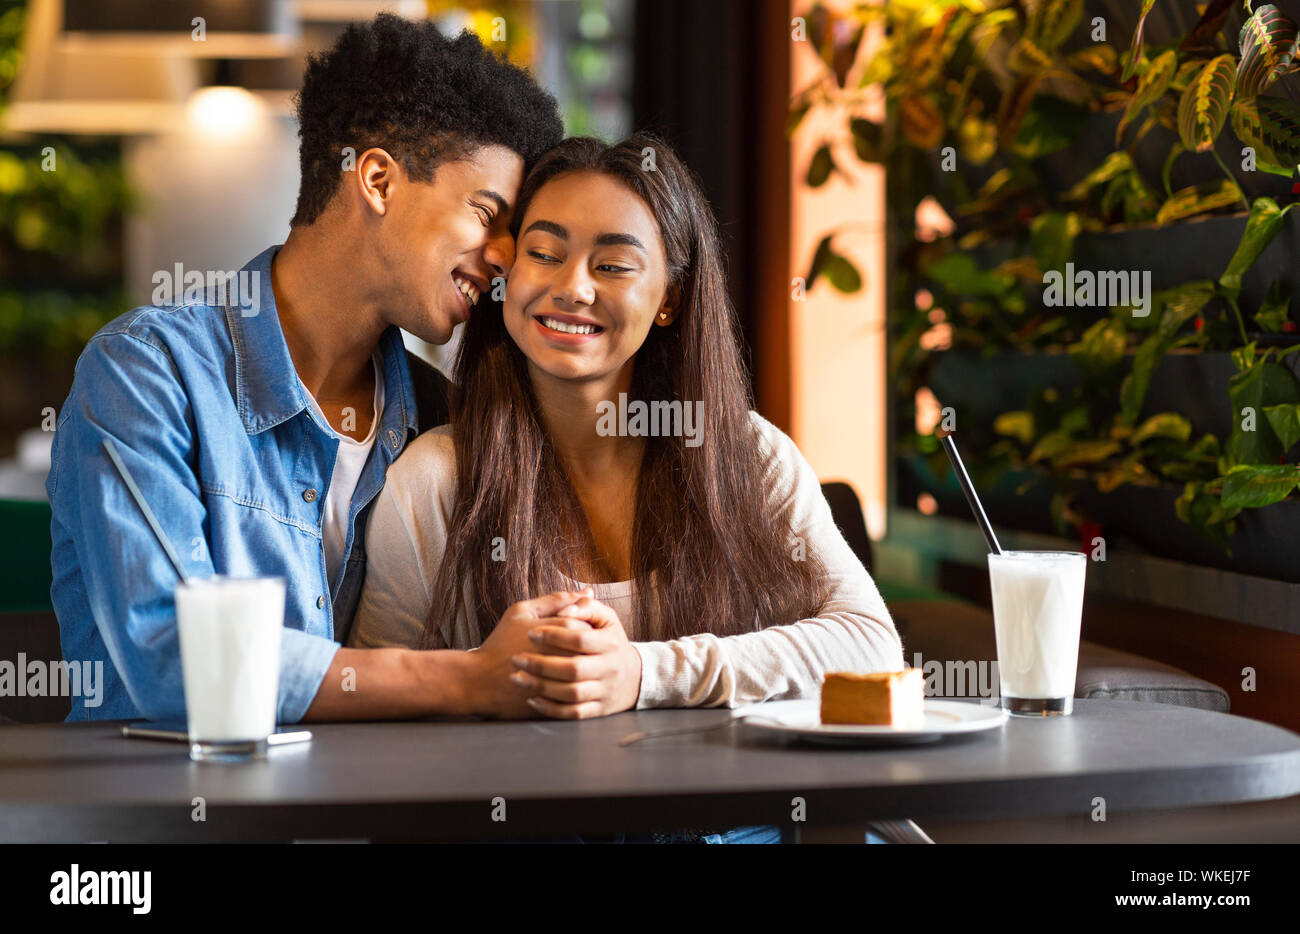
783,659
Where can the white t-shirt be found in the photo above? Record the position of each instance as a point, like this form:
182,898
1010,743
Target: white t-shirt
348,464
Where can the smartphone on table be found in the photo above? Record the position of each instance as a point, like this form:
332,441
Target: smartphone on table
175,731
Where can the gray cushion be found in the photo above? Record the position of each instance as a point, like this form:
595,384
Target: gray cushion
944,631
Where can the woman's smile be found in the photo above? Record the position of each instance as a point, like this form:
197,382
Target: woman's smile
567,330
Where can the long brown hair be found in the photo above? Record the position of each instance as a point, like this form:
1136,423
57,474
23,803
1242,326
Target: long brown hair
709,551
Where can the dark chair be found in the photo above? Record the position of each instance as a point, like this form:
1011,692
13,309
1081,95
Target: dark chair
29,630
28,637
846,510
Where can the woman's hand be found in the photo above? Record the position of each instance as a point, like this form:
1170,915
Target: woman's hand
602,675
488,688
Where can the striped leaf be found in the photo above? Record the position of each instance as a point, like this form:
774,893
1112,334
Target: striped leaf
1268,43
1185,73
1279,123
1204,107
1248,127
1135,47
1244,117
1116,164
1154,82
1100,58
1199,199
1026,57
1051,22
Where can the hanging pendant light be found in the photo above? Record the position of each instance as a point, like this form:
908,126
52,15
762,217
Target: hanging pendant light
193,28
92,92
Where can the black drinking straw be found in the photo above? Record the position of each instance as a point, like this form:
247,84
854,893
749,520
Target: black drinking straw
958,468
144,508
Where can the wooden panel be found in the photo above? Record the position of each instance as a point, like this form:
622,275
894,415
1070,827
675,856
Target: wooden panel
1213,649
772,390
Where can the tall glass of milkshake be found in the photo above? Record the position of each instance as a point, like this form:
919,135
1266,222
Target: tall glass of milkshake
1037,610
230,630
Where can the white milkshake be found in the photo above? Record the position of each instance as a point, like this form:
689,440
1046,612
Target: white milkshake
230,631
1037,610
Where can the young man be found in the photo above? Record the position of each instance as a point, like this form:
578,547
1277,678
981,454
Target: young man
260,429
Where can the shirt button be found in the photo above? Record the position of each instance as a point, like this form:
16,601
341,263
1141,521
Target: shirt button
392,438
320,602
309,495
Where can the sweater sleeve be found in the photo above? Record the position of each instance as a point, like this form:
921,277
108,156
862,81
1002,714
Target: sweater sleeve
405,541
853,631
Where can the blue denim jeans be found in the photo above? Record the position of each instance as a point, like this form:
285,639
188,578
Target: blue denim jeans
765,834
760,833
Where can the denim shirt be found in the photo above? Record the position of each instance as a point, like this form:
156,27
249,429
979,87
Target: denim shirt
207,412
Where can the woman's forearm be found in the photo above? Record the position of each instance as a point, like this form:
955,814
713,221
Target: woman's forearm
781,662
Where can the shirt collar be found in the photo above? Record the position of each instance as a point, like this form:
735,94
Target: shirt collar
267,388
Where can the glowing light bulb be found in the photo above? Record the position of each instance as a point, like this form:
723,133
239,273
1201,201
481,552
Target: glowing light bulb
224,112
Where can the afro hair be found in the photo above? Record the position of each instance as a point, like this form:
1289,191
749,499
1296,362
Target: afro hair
405,87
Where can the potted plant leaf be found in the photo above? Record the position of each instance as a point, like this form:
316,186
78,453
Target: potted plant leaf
1110,315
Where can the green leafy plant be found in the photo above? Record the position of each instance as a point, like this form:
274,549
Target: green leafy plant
61,209
984,103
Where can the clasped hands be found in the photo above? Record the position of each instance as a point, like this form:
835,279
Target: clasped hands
563,655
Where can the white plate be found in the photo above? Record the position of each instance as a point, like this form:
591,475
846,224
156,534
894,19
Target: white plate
802,719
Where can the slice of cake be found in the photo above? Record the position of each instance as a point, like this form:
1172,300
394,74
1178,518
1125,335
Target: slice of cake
883,698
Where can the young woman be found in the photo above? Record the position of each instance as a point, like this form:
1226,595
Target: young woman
601,437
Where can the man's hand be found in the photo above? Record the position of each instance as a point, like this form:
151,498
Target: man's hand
489,690
574,672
